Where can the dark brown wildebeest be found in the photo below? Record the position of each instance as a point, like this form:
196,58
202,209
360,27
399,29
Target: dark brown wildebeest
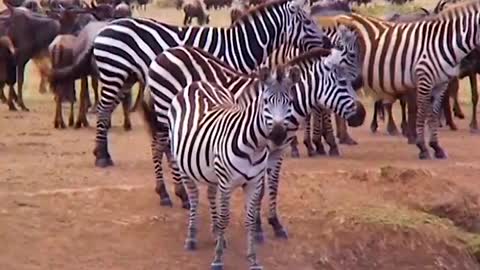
30,33
195,8
141,4
216,4
178,4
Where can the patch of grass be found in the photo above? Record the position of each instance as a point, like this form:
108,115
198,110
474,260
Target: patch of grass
381,10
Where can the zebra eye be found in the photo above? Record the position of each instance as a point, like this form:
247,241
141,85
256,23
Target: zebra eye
351,55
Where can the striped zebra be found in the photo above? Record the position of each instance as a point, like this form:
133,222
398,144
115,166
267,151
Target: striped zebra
324,83
344,39
422,55
222,143
124,49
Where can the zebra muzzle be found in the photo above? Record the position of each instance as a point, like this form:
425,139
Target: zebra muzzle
278,134
358,118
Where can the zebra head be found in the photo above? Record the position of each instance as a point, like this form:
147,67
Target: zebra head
347,43
337,93
306,33
276,98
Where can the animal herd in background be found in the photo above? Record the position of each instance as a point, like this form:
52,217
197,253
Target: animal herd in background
224,103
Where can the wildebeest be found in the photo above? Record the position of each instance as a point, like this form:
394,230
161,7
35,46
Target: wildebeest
8,71
30,33
195,8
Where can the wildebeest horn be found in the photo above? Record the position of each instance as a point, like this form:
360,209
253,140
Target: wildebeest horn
427,12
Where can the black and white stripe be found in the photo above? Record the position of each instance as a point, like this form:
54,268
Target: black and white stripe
222,143
324,83
124,49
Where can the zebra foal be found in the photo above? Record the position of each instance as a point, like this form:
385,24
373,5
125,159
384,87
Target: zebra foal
222,143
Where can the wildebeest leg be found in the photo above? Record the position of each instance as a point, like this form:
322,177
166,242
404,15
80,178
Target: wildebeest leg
412,116
11,97
95,93
376,111
404,124
473,83
342,132
82,108
185,19
42,88
391,126
446,109
58,122
20,74
453,87
71,118
3,98
126,102
141,90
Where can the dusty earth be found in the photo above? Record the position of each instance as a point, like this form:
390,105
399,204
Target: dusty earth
375,207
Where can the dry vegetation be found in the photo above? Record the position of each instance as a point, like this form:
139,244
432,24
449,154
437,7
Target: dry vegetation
376,207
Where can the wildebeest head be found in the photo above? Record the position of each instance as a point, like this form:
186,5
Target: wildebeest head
122,10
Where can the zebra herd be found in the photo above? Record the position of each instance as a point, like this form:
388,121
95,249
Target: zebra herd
223,104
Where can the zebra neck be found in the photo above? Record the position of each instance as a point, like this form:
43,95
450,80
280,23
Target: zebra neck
307,93
253,126
246,49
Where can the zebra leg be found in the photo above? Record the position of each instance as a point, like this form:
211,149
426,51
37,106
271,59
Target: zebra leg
141,89
180,191
275,160
376,110
252,191
294,145
157,153
223,217
438,94
473,83
424,109
318,126
105,109
191,186
327,133
126,102
212,200
307,139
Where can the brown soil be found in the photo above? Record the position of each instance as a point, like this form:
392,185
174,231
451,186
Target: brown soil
376,207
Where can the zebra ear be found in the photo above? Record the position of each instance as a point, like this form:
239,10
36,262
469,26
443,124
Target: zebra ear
263,74
294,74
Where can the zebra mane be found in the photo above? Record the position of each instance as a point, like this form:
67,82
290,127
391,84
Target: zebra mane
258,9
452,9
316,53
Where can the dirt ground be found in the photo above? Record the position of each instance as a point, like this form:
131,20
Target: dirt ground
375,207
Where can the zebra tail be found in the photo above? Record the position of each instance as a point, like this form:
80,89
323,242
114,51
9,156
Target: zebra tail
149,117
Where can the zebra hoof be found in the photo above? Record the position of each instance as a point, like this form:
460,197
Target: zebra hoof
217,266
295,153
166,202
474,130
190,244
334,152
424,155
440,154
256,267
103,162
281,234
311,153
259,239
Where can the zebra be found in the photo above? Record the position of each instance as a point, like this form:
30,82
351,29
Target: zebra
222,143
124,49
346,40
324,82
422,55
